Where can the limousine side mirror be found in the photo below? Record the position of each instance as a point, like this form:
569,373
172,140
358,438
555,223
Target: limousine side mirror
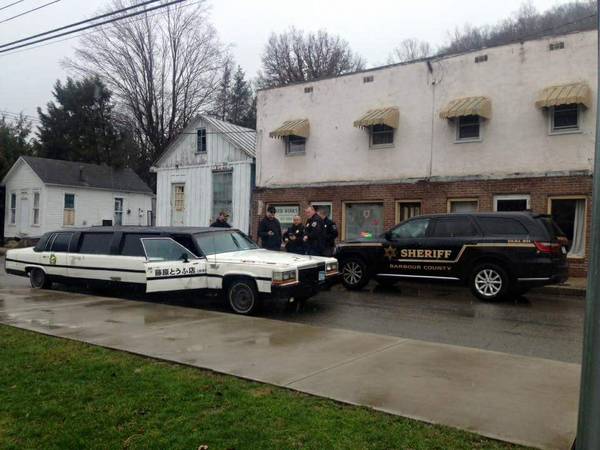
185,258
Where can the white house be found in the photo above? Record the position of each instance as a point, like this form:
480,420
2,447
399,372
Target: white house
503,128
47,194
207,169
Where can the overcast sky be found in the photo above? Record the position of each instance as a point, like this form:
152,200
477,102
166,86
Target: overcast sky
371,28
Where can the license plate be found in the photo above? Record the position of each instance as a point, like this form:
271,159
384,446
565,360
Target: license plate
321,275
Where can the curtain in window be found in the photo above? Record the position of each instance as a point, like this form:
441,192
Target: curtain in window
577,247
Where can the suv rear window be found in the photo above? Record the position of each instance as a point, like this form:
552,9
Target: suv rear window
551,227
96,243
501,226
454,227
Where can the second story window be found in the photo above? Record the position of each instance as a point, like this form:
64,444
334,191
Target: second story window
201,141
468,128
36,208
13,208
381,135
295,145
564,118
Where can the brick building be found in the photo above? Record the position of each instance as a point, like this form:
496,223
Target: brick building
501,129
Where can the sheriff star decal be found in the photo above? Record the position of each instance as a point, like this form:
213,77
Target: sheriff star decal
389,252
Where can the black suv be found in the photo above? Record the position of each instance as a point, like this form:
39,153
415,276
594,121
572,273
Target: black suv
494,253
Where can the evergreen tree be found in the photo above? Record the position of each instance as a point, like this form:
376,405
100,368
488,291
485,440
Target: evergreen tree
222,102
240,100
81,125
14,142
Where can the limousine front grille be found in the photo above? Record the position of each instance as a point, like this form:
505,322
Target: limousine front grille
310,275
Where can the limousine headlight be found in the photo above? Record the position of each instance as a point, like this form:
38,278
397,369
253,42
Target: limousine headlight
331,267
287,275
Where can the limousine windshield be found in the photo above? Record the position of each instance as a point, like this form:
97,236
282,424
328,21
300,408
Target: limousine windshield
223,242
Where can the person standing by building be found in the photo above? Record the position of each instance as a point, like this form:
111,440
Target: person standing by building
269,230
314,233
221,221
331,233
294,237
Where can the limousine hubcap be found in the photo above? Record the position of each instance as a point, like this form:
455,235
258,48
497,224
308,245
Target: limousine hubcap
241,298
488,282
352,273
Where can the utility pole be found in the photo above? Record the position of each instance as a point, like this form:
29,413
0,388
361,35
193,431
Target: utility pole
588,427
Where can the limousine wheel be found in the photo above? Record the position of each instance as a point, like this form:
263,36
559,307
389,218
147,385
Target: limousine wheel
489,282
354,273
39,280
242,296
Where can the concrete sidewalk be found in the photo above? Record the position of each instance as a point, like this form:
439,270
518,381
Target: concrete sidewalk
522,400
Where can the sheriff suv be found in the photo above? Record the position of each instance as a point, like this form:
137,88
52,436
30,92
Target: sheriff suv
172,259
496,254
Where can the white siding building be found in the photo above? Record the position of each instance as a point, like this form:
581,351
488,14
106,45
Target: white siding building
503,128
209,168
45,194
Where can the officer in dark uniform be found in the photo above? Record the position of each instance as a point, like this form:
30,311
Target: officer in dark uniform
331,233
221,221
269,230
314,233
294,237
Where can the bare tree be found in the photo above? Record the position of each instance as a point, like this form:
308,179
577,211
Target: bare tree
294,56
409,50
163,68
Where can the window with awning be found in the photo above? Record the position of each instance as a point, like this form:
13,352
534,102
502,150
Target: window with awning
381,124
294,132
564,103
468,112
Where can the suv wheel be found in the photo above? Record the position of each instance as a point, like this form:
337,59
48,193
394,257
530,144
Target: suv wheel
39,279
354,273
242,296
489,282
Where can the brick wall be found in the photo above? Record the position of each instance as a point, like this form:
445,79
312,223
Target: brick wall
434,198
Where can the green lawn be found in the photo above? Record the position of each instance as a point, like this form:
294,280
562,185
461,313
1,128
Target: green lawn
58,394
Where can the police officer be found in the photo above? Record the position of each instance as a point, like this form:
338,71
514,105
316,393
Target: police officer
294,237
331,232
221,221
269,230
314,233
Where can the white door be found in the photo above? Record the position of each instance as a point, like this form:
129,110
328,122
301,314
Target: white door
23,226
172,267
177,204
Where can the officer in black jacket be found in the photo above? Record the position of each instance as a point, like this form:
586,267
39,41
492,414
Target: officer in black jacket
269,230
221,221
331,233
314,233
294,237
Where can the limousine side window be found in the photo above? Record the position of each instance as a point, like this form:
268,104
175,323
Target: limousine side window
60,243
165,249
131,244
96,243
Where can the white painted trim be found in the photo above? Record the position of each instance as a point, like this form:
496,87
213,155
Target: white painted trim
526,197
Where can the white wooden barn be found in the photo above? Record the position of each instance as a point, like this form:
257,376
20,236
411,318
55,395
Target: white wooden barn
48,194
207,169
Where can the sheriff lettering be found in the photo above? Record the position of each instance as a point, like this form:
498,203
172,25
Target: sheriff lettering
425,254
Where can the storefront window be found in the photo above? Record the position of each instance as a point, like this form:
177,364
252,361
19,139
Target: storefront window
285,214
463,206
405,210
569,215
363,220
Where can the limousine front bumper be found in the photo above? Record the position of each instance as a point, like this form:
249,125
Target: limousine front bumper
310,281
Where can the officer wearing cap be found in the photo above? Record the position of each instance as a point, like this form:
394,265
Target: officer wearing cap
314,233
269,230
331,233
221,221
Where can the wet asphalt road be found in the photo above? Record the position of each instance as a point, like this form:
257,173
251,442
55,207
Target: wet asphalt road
536,325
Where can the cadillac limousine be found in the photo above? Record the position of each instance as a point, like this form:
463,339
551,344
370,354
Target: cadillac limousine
172,259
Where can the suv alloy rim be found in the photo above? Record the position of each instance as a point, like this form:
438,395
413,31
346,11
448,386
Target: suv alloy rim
488,282
241,298
352,273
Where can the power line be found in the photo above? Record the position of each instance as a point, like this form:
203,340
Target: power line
29,12
12,4
102,16
66,33
88,33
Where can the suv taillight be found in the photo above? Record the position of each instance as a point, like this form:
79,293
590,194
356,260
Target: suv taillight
548,247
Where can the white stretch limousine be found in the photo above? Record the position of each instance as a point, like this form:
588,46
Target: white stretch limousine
171,259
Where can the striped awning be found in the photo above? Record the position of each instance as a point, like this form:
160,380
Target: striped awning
383,116
565,94
467,106
298,127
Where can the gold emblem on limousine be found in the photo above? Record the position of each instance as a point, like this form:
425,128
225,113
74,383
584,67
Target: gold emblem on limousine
389,252
52,259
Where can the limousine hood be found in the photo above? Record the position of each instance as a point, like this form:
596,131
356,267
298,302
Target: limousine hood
268,257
